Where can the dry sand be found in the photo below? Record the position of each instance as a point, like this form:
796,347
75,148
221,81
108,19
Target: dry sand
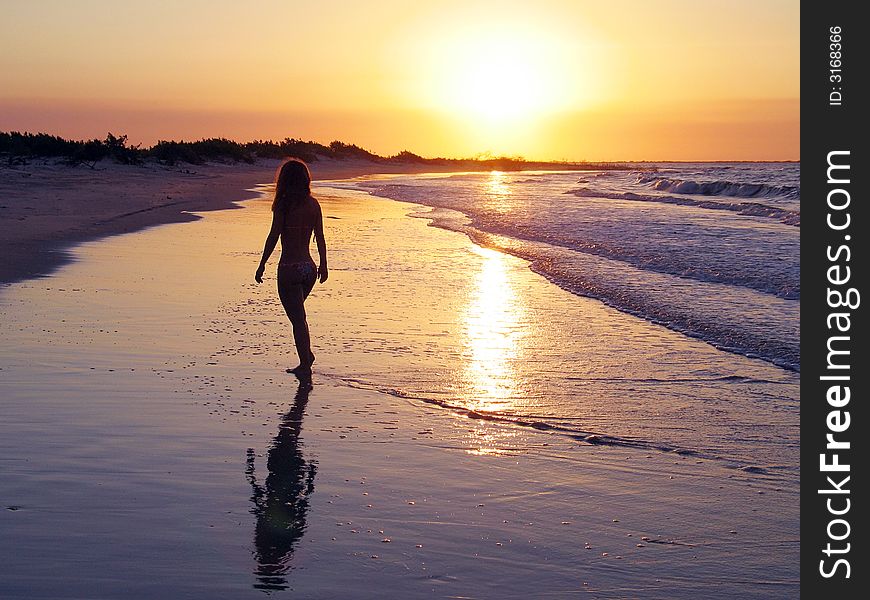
152,445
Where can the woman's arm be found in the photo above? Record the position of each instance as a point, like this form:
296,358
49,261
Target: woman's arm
271,241
323,270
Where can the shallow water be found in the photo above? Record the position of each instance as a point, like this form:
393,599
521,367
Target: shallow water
498,342
711,250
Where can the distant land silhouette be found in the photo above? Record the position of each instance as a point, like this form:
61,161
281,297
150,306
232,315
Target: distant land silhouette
16,148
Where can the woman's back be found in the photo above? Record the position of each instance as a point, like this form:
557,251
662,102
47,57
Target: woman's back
298,223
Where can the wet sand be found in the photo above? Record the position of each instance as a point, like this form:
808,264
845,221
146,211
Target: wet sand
152,445
46,207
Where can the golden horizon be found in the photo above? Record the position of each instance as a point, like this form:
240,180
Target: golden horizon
562,81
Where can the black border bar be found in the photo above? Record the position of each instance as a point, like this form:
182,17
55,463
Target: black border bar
834,263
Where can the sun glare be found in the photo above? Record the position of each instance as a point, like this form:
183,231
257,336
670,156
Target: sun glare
499,76
498,82
492,335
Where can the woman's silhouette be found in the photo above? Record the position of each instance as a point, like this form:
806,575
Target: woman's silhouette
295,216
281,502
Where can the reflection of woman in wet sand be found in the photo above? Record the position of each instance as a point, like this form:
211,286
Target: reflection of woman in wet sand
281,503
295,216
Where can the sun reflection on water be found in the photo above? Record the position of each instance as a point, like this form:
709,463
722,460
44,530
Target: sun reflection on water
493,330
494,326
498,193
489,441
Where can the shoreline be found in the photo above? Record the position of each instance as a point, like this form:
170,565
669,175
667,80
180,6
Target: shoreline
47,209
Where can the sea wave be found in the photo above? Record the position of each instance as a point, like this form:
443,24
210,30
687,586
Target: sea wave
729,279
709,309
752,209
718,188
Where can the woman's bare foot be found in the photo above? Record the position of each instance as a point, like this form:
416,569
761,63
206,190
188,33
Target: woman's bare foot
301,371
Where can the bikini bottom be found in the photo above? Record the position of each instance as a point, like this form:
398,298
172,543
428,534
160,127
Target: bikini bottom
302,273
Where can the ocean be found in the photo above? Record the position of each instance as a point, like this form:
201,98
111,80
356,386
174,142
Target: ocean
711,250
707,251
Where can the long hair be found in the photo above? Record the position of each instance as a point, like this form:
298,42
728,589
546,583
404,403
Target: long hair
292,184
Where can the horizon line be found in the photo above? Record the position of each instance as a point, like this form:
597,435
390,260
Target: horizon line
481,157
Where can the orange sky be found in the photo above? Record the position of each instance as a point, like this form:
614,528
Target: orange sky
554,79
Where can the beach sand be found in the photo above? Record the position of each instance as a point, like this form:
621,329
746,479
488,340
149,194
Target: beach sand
46,207
152,445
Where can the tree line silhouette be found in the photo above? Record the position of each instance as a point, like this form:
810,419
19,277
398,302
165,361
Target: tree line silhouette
16,148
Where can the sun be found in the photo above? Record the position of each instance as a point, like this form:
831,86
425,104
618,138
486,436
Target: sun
498,76
498,81
495,83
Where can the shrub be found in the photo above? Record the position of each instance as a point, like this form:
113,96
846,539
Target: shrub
172,153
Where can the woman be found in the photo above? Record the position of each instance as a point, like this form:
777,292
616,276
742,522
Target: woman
295,215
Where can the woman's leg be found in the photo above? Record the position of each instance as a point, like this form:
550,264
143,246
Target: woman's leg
293,298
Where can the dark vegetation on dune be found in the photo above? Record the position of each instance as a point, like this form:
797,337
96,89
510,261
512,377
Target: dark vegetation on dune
17,148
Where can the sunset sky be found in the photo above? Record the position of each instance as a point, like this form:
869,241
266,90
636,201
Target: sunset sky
553,79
